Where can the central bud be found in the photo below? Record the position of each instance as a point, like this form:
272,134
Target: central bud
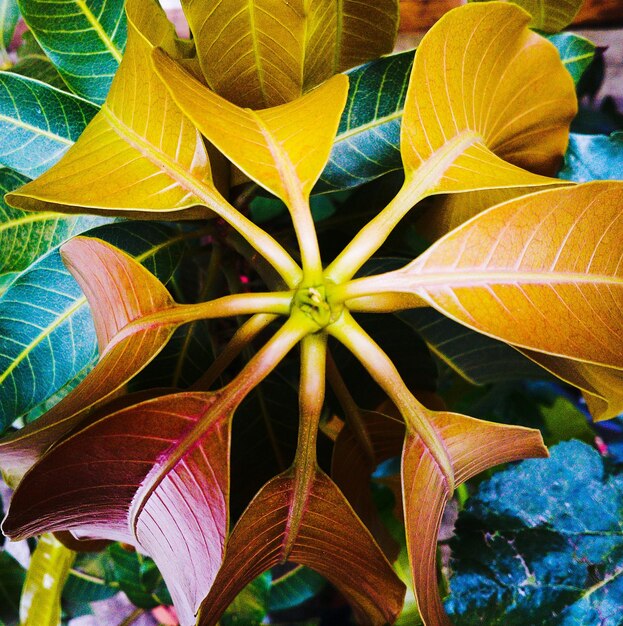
313,302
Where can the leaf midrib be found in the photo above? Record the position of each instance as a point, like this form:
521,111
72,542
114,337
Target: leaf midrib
101,33
35,130
357,130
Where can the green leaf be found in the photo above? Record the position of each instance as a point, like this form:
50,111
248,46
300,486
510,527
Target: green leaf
38,123
32,62
250,606
368,139
294,587
88,581
40,602
25,236
12,576
138,577
593,157
46,329
9,15
576,53
551,553
85,39
477,358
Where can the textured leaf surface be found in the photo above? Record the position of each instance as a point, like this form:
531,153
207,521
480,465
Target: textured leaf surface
48,338
155,490
478,358
40,602
368,139
83,38
593,157
265,53
131,159
549,15
532,272
551,553
481,91
33,62
24,237
38,123
576,53
355,564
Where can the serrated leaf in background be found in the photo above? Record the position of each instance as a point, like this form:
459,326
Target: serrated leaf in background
44,314
40,602
368,140
38,123
25,236
542,543
593,157
85,39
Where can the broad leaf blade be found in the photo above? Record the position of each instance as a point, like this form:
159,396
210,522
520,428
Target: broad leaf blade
38,123
356,565
283,148
261,54
47,332
114,495
132,159
83,38
550,16
40,602
593,157
368,139
576,53
479,100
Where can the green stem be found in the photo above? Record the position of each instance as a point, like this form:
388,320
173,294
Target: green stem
381,368
242,337
130,619
311,400
351,409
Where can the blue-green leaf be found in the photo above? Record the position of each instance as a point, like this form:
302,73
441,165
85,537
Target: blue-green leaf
295,587
38,123
85,39
251,605
576,53
593,157
32,62
47,337
25,236
542,543
9,15
368,139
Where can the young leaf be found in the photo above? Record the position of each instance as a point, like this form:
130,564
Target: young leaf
38,123
368,138
550,16
40,602
264,537
576,53
479,99
549,554
46,329
83,38
593,157
262,54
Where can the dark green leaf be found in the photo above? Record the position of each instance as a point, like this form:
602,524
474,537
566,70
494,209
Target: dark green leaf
542,543
45,326
85,39
294,587
25,236
32,62
88,582
38,123
477,358
138,577
367,143
12,576
593,157
576,52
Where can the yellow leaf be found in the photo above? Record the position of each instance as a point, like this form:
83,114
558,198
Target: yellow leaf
262,53
485,93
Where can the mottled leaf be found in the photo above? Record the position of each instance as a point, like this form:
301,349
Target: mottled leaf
264,53
540,543
38,123
83,38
